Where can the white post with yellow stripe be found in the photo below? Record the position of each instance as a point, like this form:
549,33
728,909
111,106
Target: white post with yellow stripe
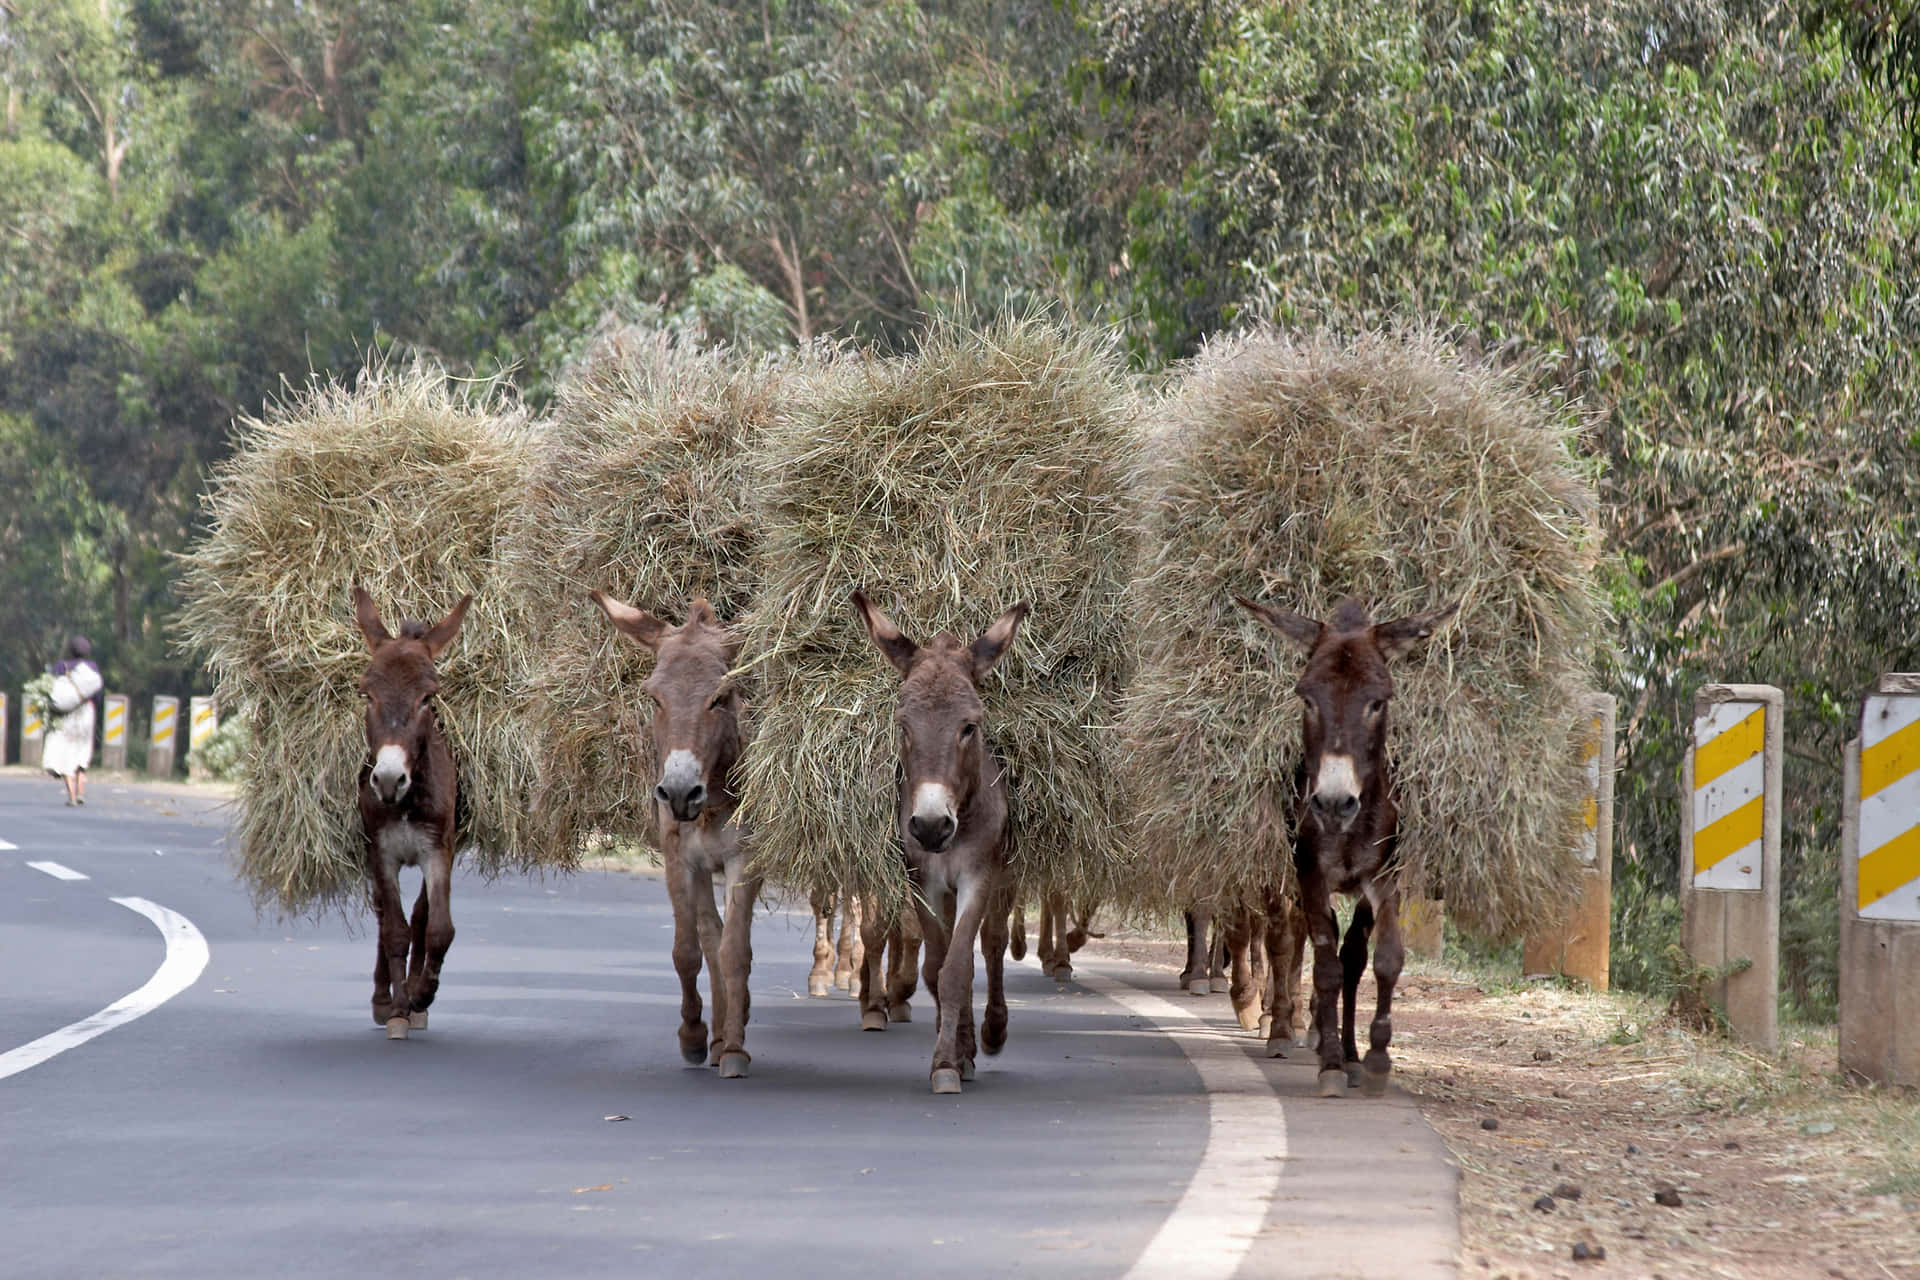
164,739
113,733
1581,945
33,731
1880,889
1730,851
4,726
203,721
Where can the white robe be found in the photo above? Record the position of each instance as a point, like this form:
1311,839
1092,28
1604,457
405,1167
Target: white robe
69,743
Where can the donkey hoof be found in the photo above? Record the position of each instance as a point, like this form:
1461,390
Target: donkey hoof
843,981
1277,1047
946,1080
733,1066
1374,1083
417,1019
694,1055
1354,1073
1266,1026
966,1068
397,1027
1063,973
1249,1018
873,1020
1198,987
819,987
902,1012
1333,1083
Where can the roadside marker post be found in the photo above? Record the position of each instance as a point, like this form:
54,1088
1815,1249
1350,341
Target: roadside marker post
1880,889
1423,925
4,725
113,733
160,745
1582,947
1730,852
33,732
203,720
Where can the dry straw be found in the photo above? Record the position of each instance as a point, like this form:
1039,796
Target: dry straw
643,491
986,469
1389,469
403,483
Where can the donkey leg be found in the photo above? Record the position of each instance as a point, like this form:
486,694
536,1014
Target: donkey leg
395,934
993,944
953,1048
1353,964
1262,977
1194,977
1389,953
1323,929
870,975
706,917
846,962
933,936
736,963
1283,970
903,948
1082,920
1062,963
417,955
820,977
1018,927
1241,989
436,892
686,951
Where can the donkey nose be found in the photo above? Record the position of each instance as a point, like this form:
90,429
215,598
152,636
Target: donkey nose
686,800
390,776
934,832
1341,808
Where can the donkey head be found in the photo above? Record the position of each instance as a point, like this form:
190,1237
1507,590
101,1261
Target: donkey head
1343,695
696,718
398,684
941,744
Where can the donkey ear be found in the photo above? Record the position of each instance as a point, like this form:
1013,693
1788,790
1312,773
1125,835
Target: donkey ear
367,614
441,633
637,623
888,638
1299,628
995,640
1399,636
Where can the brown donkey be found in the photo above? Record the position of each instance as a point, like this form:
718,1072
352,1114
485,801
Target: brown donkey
1346,831
953,828
696,737
408,794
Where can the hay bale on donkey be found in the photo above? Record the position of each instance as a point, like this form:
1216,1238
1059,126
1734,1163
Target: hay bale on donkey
986,469
1387,469
405,485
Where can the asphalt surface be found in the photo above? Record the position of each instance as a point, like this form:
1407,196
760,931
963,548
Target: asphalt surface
259,1123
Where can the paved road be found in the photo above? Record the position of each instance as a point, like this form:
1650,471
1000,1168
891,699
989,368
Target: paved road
258,1123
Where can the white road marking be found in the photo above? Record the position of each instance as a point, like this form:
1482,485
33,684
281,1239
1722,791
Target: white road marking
57,871
1211,1230
186,958
6,845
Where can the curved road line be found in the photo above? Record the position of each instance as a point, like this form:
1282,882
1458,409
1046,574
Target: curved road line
186,957
1210,1231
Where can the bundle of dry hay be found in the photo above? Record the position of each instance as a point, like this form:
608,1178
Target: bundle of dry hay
988,468
643,490
1389,469
402,483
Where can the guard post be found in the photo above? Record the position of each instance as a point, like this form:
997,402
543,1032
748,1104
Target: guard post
1880,889
1582,947
113,733
33,731
1730,852
160,745
203,721
4,726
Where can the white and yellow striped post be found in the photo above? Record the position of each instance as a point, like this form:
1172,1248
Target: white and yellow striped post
1582,947
5,724
33,731
113,733
161,744
203,720
1730,852
1880,889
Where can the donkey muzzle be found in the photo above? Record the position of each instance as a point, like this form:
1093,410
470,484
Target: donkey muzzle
1336,791
390,776
934,832
682,787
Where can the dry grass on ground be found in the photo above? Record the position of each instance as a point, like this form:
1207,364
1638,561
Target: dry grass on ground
1780,1170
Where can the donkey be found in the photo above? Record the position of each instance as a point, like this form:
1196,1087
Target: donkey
883,980
408,798
1347,832
1063,931
953,828
696,737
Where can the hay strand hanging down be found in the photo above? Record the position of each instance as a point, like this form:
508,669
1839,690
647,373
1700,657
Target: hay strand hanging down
987,468
1389,469
402,483
643,490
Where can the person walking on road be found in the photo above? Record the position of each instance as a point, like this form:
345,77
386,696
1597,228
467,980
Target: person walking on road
69,743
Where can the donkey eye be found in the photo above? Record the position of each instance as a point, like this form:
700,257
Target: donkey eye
1375,707
719,699
968,730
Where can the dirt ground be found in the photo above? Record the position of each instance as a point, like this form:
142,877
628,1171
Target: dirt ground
1764,1167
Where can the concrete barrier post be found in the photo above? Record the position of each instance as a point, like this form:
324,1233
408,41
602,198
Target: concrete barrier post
1730,852
33,731
160,746
1880,889
1582,947
113,733
203,721
5,724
